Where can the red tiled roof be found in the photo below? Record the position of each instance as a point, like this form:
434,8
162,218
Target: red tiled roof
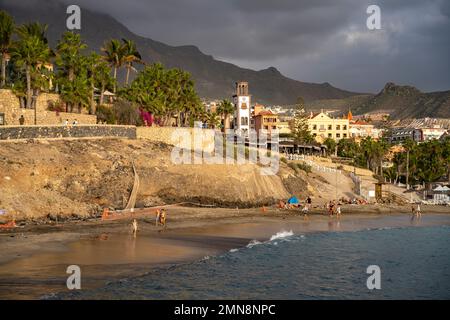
360,122
265,113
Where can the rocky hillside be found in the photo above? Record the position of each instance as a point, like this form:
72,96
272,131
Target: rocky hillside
214,79
78,178
407,102
339,105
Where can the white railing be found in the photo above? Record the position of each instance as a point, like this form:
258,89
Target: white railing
313,164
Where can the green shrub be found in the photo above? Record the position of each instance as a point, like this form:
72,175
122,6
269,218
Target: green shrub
293,166
305,167
105,114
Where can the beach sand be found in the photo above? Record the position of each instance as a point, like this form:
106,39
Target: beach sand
34,258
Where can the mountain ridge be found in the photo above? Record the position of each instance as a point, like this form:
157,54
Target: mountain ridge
404,101
214,78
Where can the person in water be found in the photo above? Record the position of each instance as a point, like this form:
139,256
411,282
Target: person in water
162,219
338,211
134,226
158,217
418,211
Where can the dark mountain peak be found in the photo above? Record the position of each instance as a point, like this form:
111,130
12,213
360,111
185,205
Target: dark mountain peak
407,102
396,90
271,71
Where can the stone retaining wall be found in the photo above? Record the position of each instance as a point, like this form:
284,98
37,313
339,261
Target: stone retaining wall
181,137
10,108
55,132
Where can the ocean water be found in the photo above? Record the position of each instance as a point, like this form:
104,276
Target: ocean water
414,263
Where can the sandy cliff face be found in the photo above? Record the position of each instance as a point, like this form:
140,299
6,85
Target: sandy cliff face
78,178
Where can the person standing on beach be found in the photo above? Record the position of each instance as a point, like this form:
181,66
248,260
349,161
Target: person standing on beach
305,211
134,226
331,208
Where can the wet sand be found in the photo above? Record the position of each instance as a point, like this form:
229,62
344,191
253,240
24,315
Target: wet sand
34,259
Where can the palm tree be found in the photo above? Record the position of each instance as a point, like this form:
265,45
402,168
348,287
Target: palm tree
226,108
431,165
30,52
68,53
99,75
114,56
212,119
76,93
409,145
446,154
130,55
330,143
6,31
102,79
33,29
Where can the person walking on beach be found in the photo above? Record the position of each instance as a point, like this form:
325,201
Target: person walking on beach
134,226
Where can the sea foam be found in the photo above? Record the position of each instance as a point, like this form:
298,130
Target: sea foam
281,235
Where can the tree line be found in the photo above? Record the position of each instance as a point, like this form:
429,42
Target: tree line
27,68
412,162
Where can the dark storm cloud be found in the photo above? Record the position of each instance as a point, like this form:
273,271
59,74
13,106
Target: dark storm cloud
309,40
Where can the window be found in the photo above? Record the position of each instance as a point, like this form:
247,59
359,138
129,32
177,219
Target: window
338,135
344,127
2,119
322,127
344,135
330,135
330,127
338,127
314,135
315,127
243,105
244,121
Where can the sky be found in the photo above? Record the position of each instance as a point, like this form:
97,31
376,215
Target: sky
308,40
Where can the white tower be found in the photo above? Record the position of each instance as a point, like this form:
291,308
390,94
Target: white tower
242,108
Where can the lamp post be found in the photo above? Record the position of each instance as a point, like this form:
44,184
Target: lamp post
34,98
